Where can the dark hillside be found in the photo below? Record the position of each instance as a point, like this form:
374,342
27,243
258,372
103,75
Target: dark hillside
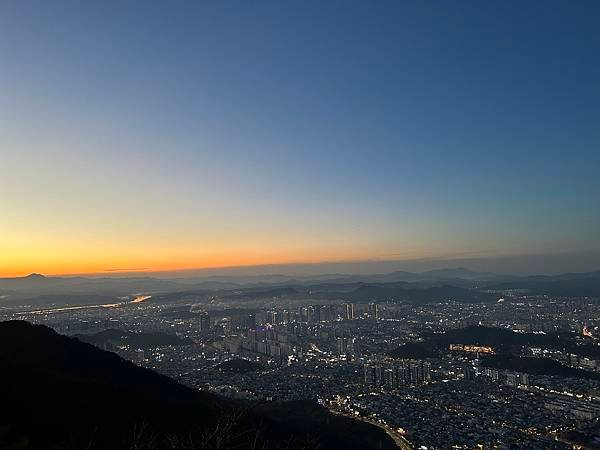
58,392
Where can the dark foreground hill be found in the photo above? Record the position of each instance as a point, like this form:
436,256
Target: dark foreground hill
57,392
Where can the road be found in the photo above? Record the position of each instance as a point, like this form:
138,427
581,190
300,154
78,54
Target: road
399,439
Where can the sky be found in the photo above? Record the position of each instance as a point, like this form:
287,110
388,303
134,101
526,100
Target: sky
176,135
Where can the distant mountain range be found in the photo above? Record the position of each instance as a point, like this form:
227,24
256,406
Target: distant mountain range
40,284
568,284
58,392
420,295
470,286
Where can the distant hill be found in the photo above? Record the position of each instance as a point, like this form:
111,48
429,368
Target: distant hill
502,340
36,284
425,295
58,392
565,285
451,274
536,366
459,272
250,293
433,285
399,275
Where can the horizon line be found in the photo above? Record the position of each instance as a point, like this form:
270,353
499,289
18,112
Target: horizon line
434,259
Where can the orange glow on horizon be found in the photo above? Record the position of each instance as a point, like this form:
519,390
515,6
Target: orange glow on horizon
107,269
119,267
74,270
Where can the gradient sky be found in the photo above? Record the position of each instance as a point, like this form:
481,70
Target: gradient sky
170,135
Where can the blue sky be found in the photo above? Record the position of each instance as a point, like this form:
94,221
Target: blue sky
191,134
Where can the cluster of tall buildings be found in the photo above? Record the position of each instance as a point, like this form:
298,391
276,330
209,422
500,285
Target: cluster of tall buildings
306,314
514,379
311,314
205,324
517,379
266,341
393,375
347,346
274,317
373,311
348,311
